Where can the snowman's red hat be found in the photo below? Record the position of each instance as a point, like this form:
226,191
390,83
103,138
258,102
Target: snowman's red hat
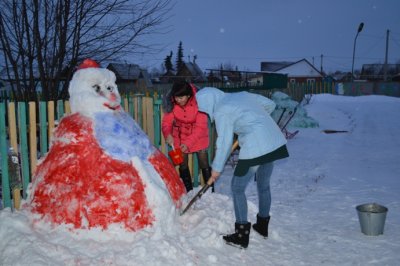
88,63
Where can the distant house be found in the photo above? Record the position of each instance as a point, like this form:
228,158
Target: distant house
224,76
214,76
130,77
342,76
376,72
297,72
168,77
232,76
190,71
256,80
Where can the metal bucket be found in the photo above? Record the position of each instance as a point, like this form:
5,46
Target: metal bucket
372,218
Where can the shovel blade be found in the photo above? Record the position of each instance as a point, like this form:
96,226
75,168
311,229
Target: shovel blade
195,198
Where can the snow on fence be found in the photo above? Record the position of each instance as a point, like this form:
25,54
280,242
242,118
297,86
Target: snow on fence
26,129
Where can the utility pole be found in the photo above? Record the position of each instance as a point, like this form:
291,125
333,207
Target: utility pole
385,66
322,56
360,27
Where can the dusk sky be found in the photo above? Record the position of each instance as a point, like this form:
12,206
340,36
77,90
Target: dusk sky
245,33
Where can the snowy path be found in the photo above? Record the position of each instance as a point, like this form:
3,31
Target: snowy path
333,173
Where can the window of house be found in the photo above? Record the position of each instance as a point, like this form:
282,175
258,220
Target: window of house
310,83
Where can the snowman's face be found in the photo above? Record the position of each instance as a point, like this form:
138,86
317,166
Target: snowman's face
94,90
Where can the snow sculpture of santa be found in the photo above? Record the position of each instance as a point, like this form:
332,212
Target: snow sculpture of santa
101,168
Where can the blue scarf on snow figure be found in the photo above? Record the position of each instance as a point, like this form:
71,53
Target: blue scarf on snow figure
121,137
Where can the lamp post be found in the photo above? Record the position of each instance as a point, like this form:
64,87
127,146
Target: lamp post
360,27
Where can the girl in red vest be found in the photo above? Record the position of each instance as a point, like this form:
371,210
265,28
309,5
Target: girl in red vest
185,127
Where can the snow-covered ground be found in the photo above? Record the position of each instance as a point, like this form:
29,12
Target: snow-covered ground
313,216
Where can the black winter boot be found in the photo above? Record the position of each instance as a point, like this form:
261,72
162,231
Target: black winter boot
206,175
186,178
241,236
261,226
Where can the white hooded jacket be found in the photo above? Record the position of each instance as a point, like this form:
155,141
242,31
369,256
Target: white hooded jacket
245,114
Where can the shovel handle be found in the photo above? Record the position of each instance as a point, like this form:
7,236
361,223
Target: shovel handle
206,186
235,145
196,197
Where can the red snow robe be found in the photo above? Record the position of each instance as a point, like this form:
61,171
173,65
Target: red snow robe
187,125
78,184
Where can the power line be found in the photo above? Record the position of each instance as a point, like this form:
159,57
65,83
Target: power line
395,41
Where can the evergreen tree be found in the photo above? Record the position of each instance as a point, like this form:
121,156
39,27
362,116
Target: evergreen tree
168,63
179,57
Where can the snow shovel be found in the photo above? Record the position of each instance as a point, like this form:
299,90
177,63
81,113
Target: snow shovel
205,187
196,197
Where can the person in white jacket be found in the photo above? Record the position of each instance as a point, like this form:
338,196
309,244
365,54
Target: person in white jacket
261,143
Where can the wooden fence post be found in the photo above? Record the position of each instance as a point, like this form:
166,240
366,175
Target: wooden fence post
150,118
60,110
12,126
50,116
164,147
157,123
137,110
131,105
5,183
32,136
23,143
43,127
67,108
12,129
125,104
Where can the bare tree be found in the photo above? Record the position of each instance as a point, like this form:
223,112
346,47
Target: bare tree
42,41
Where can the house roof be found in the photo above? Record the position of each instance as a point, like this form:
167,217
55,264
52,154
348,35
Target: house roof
146,77
376,71
194,70
128,72
169,73
125,71
342,76
274,66
301,68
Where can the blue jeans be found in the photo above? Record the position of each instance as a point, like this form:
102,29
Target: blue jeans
239,184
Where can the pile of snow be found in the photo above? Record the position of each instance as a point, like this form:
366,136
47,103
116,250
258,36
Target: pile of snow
313,216
285,104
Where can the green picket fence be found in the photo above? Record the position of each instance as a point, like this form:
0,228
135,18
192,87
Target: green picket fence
28,129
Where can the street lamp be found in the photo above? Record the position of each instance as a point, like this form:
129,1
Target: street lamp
360,27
